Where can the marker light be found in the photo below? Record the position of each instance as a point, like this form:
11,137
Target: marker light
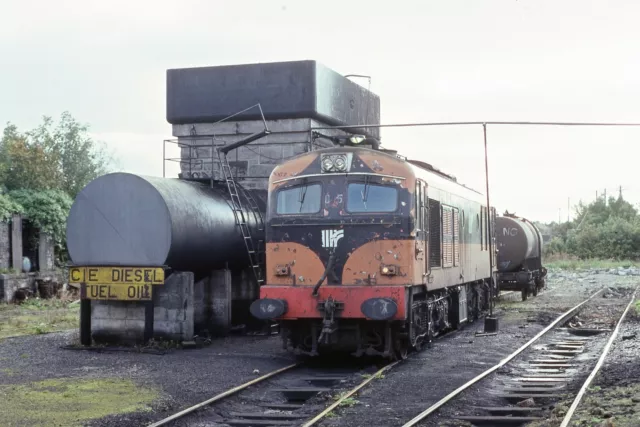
357,139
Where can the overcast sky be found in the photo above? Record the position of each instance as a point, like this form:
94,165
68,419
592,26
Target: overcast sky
430,61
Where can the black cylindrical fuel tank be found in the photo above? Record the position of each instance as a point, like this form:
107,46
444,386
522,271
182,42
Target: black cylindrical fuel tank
127,219
517,241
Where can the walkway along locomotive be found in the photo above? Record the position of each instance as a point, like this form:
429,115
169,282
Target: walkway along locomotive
371,253
519,244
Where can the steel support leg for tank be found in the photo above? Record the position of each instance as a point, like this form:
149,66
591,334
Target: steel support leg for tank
148,321
85,321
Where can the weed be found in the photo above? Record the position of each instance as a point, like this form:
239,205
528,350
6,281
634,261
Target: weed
349,401
37,316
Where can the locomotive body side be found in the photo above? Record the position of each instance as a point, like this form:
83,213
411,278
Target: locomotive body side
369,253
519,245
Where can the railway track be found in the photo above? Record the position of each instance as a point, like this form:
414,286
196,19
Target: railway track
523,389
299,403
296,409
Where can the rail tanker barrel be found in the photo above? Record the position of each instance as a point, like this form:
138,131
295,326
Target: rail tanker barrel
127,219
518,241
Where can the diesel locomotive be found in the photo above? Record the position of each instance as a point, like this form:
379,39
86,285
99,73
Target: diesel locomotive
371,253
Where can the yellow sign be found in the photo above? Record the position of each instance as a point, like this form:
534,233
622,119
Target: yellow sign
120,292
117,275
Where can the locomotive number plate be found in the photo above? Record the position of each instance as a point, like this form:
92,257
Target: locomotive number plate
117,275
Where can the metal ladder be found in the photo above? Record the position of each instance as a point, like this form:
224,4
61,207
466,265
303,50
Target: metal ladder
256,255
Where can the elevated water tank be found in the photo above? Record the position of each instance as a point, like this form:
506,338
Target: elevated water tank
284,90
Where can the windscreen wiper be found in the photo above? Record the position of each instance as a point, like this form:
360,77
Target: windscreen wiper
303,194
365,192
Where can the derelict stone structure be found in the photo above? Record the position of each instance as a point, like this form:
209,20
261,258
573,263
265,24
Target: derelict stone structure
294,98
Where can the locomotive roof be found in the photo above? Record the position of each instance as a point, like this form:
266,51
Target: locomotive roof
393,154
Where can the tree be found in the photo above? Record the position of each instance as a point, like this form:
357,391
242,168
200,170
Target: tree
601,229
44,169
51,157
24,164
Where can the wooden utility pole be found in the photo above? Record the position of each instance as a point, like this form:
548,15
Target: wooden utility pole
568,208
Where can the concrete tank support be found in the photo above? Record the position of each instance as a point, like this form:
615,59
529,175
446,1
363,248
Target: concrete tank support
173,313
220,286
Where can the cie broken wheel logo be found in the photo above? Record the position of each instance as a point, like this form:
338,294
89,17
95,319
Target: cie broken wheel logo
330,238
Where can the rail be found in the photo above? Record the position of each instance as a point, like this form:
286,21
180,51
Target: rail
345,396
607,347
421,416
221,396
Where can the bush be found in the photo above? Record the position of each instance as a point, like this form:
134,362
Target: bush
8,207
47,210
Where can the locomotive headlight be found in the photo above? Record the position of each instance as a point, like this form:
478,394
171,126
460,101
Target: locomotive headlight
336,162
327,164
340,163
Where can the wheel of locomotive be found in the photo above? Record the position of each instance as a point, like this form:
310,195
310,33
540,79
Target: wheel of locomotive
472,298
400,347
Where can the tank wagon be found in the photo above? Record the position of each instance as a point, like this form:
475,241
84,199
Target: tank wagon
370,253
519,245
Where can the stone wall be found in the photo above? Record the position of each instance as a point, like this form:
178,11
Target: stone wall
173,313
5,245
10,283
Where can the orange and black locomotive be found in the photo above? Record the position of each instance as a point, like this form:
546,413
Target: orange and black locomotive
371,253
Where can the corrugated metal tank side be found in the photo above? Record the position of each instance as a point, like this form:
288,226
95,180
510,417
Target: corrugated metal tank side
127,219
517,241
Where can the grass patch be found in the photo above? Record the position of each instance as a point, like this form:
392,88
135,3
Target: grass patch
71,401
566,262
349,401
618,404
36,316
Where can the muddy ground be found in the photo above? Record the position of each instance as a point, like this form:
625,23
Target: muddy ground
179,378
